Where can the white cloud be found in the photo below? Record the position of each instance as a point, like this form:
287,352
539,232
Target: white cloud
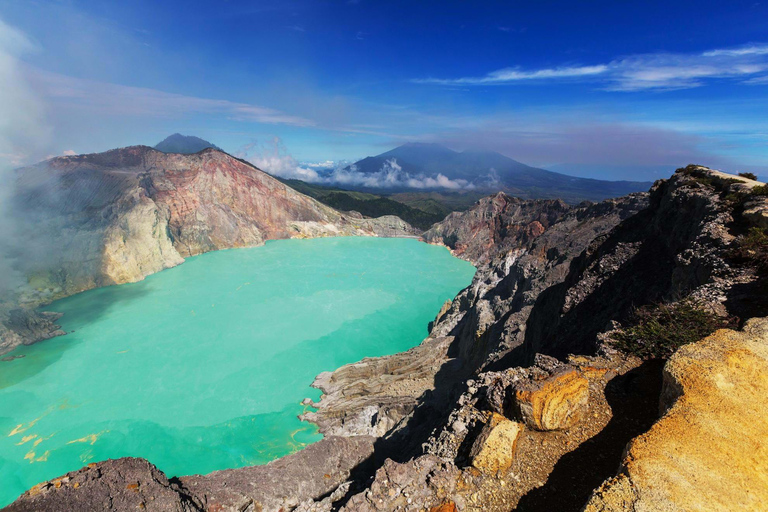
392,175
107,98
515,74
274,158
744,50
387,177
758,80
328,164
659,71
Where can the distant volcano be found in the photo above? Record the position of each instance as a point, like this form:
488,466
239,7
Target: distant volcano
483,171
184,144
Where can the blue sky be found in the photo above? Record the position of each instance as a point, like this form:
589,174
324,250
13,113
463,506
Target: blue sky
621,90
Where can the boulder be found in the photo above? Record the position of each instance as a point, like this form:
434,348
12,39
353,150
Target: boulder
494,448
556,402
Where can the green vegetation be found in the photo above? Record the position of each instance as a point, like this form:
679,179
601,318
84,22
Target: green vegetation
381,206
370,205
718,184
443,202
752,248
760,190
658,330
748,175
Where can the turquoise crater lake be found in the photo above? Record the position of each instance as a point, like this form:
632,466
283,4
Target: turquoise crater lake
203,366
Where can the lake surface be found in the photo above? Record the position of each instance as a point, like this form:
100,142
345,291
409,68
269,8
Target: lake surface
203,366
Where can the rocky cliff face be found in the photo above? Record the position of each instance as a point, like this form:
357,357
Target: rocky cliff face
560,293
116,217
518,399
521,248
708,452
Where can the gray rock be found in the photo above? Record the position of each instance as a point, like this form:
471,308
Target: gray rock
310,474
120,484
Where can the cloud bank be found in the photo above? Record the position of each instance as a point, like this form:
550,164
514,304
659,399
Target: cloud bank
274,158
652,71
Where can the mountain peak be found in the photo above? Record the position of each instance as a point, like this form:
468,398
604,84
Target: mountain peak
433,147
184,144
419,152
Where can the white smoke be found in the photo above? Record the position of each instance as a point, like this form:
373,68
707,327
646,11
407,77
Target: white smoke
23,136
274,158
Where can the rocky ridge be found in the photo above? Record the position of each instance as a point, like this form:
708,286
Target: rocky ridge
517,399
116,217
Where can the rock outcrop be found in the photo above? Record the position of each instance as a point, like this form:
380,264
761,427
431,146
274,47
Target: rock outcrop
110,218
496,223
494,448
555,402
122,484
24,325
135,484
708,452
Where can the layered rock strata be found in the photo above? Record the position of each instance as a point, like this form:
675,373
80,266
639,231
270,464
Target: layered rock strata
556,402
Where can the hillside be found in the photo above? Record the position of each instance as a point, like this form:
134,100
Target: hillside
115,217
422,215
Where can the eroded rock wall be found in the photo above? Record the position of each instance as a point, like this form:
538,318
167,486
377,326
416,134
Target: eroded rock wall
110,218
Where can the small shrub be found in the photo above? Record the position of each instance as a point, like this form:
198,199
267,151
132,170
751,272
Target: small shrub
748,175
659,330
688,169
450,240
718,184
760,190
752,248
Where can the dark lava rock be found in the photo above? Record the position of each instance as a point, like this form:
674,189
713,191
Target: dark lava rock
119,484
